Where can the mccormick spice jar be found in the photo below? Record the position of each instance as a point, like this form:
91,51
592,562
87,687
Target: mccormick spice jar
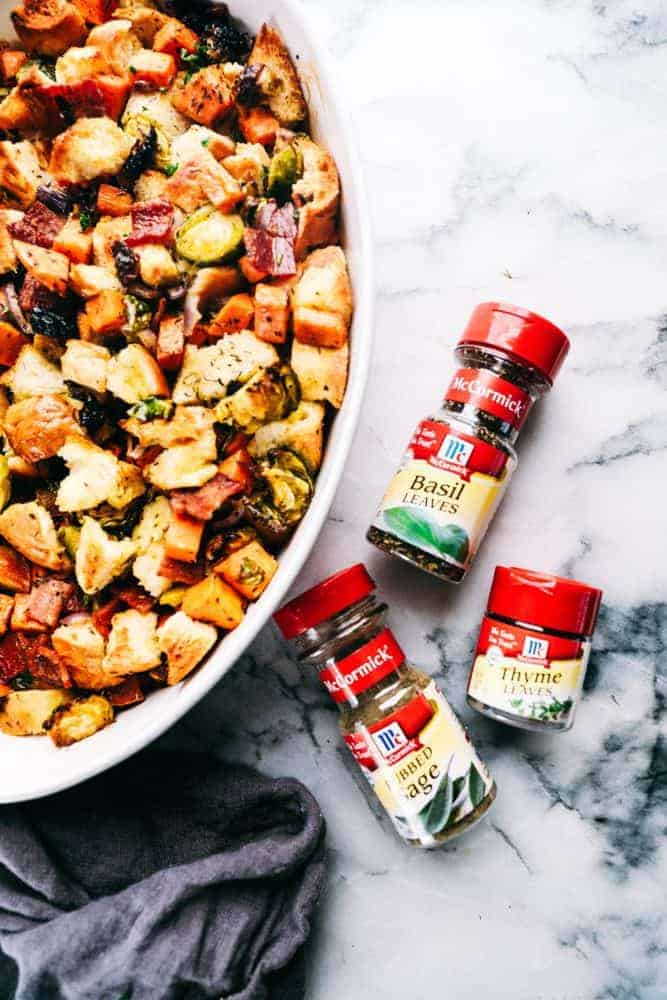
533,649
453,476
412,749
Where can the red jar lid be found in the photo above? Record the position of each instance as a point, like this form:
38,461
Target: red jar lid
524,335
324,600
553,602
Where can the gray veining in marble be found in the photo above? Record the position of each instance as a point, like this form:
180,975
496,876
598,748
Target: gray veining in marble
513,150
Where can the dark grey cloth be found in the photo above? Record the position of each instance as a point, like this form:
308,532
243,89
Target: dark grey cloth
172,877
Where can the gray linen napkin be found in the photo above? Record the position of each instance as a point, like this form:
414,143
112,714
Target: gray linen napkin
171,877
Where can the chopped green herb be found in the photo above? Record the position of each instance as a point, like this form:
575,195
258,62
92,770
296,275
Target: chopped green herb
85,219
171,169
151,408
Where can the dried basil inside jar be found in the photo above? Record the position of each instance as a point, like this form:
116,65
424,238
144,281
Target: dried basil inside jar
456,469
409,744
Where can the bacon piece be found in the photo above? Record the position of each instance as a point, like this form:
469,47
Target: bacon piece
180,572
270,242
39,225
31,655
125,694
62,101
102,617
152,222
34,293
136,597
45,602
202,503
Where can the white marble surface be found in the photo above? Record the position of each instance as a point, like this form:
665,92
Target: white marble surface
513,150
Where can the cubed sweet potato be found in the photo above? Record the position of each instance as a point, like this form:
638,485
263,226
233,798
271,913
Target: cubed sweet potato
212,600
174,36
237,467
249,570
14,571
74,243
271,313
115,90
96,11
183,537
113,201
236,314
11,342
106,312
11,61
6,608
206,96
251,273
258,125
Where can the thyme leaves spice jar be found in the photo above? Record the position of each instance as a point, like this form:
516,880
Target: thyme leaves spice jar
409,744
533,649
456,469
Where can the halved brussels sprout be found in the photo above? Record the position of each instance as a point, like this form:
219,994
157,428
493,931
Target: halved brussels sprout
269,395
151,408
139,314
282,495
284,169
208,237
139,127
69,535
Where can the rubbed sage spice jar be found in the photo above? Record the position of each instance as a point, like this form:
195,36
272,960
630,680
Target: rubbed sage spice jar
457,466
533,649
409,744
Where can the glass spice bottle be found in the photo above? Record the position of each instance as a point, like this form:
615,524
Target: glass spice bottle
533,649
456,469
409,744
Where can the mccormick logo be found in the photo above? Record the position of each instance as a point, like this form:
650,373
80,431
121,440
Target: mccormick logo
389,739
476,387
454,449
535,649
376,659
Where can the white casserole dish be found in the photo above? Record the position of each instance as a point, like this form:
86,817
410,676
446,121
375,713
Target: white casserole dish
31,767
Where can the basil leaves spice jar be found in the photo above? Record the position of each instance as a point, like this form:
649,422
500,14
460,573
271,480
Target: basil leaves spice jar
533,649
409,744
457,466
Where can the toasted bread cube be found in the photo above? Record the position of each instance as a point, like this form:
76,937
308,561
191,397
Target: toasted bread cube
74,243
214,601
322,299
86,364
183,537
134,374
157,69
282,88
49,267
29,528
317,193
132,646
26,713
90,148
80,63
80,719
89,280
107,232
106,312
207,95
171,343
117,42
249,570
145,21
20,174
49,27
185,643
81,648
271,313
321,371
